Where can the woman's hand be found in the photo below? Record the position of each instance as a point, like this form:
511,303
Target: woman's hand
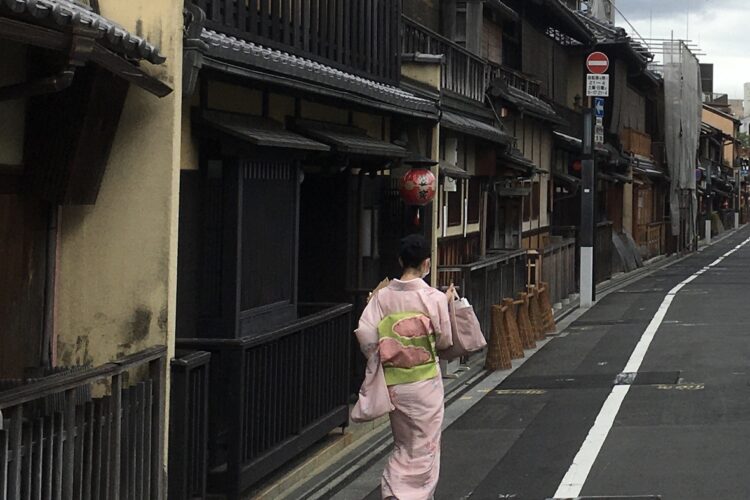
450,293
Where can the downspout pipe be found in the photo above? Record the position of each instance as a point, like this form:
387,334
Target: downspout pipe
47,347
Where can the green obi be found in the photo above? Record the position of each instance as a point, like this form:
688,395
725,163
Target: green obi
407,348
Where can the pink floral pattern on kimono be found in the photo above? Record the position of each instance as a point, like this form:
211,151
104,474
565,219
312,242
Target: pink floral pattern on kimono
413,468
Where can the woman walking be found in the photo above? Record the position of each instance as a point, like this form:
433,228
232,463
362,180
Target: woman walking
408,321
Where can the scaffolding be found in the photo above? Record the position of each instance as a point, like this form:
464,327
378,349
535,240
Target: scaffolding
683,103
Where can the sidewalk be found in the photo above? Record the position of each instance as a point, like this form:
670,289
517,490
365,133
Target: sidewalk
344,459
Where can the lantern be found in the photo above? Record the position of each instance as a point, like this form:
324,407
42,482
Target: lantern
418,185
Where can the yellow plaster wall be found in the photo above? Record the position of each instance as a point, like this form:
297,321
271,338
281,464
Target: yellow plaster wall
429,74
12,70
280,107
371,123
317,111
118,258
235,99
117,272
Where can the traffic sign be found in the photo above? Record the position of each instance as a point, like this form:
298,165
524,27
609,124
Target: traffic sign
597,85
599,132
599,107
597,63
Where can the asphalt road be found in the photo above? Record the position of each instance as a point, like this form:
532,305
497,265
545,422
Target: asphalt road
677,427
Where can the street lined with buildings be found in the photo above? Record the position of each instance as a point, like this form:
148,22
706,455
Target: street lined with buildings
678,374
198,196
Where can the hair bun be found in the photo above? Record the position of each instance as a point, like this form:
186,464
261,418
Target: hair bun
414,250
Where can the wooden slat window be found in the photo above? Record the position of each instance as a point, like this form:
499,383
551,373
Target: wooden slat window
269,218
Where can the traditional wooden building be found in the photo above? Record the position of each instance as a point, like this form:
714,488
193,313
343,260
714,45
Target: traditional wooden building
297,132
88,160
717,177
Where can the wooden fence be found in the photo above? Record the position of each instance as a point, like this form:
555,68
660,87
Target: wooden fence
58,441
274,394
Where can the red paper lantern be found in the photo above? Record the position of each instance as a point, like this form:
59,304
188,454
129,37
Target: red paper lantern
417,187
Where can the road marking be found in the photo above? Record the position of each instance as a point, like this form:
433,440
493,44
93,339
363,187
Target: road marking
521,392
681,387
573,481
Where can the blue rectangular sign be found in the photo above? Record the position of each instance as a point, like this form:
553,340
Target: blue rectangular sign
599,107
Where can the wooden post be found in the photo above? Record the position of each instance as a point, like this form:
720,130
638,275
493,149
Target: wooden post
158,377
435,155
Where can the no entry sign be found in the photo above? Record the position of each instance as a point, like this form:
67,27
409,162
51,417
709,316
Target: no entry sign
597,63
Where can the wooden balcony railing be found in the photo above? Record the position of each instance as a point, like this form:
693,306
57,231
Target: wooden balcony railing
464,73
514,79
559,269
487,281
275,394
57,440
359,36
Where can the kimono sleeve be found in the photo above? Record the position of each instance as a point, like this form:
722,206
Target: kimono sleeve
442,321
367,330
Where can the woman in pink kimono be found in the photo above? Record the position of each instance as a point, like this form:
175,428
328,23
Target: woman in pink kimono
408,322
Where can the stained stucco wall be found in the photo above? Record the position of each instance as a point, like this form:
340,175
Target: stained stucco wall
117,259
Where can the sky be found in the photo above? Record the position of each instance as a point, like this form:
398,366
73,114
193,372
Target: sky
721,28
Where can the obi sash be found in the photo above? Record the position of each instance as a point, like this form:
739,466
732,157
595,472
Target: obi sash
407,348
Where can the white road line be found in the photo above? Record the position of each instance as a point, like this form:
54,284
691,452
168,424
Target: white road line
572,484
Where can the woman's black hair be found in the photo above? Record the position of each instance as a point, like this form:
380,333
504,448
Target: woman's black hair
414,250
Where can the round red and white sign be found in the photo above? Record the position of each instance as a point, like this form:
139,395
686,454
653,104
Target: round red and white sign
597,63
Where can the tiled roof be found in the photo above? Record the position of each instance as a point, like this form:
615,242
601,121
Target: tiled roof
248,53
470,126
65,14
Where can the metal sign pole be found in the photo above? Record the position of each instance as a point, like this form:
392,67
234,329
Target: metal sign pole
597,86
587,211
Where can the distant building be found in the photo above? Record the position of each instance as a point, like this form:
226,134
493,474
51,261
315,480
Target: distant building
746,105
707,78
737,107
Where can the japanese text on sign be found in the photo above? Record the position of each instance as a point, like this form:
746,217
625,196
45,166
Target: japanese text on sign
597,85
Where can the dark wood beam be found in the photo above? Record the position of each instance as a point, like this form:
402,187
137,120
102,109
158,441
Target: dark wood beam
38,36
129,72
25,33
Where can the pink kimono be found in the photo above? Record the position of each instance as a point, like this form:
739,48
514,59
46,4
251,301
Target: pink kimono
408,321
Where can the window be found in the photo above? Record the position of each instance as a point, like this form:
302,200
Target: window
526,200
475,201
535,200
269,211
455,205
